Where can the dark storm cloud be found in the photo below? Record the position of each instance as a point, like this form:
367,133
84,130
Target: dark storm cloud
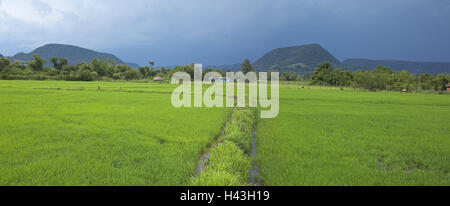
221,32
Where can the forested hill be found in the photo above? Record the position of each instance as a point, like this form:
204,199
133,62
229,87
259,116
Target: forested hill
301,59
396,65
73,54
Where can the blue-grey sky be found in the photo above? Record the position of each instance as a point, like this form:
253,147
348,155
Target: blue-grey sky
227,31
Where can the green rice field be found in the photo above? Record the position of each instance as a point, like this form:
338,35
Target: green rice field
71,133
128,133
332,137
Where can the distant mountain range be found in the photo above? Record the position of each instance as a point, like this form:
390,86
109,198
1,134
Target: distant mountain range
303,59
73,54
227,67
396,65
1,56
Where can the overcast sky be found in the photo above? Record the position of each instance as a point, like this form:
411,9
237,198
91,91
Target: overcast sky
227,31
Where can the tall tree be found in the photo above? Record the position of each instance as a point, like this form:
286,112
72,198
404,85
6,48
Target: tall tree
58,63
145,71
100,67
37,64
54,61
4,62
439,82
247,66
62,62
289,76
343,77
383,69
385,76
323,74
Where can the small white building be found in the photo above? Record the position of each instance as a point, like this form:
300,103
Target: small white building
158,78
222,79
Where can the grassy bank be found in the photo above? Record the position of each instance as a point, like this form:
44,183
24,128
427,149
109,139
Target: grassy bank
229,161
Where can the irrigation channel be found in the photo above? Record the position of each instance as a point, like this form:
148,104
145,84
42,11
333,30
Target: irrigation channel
254,177
207,151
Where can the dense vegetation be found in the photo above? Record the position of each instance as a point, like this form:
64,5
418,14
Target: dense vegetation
97,69
380,78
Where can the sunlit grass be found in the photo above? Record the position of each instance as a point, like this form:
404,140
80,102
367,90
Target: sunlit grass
99,133
128,133
326,137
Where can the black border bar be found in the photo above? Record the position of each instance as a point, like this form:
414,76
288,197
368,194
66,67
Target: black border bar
165,194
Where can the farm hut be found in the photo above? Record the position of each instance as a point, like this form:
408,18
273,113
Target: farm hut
158,79
404,90
447,87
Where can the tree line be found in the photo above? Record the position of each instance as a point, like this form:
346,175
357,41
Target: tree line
97,69
380,78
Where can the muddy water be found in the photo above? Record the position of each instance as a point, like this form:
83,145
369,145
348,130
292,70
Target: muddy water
255,179
201,162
